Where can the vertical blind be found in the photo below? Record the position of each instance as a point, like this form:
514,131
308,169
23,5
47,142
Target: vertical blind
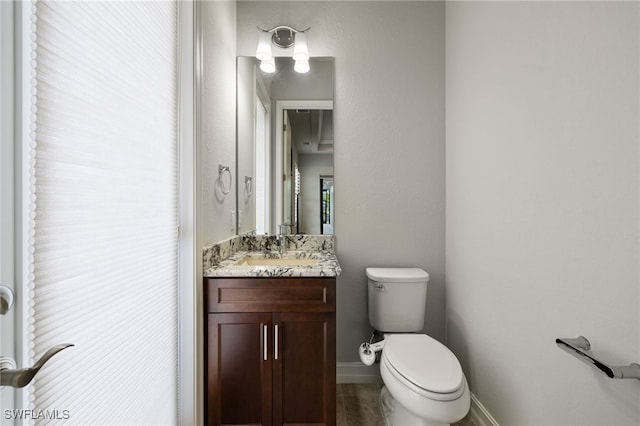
103,211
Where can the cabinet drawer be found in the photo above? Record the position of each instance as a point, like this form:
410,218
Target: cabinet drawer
287,294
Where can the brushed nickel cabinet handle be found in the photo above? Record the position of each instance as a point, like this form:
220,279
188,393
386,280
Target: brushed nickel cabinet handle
264,342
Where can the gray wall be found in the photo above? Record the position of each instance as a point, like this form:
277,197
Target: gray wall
542,205
389,140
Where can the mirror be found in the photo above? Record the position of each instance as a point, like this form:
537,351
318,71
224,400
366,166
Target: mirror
285,147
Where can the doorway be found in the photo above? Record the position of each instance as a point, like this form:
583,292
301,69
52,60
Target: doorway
326,205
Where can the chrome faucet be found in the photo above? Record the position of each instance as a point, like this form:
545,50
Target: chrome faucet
9,376
283,230
282,239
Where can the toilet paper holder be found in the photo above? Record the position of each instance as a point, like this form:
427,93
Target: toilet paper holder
580,348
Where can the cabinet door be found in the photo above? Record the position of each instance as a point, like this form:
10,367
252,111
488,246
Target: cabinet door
304,382
239,369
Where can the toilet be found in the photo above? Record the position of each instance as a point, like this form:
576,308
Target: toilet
423,381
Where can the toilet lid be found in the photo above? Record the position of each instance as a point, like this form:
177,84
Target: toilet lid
424,361
397,275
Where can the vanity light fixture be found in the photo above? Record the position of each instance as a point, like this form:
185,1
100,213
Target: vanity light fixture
284,37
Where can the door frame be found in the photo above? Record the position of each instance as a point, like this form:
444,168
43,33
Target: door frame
281,106
190,395
7,191
324,178
16,126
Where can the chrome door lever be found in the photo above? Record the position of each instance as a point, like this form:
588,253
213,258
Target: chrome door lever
19,378
6,299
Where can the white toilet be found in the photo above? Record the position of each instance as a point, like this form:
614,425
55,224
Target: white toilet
424,383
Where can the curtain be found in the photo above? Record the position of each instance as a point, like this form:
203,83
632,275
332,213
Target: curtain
103,208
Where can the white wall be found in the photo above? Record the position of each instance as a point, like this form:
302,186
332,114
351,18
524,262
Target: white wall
218,117
389,165
542,205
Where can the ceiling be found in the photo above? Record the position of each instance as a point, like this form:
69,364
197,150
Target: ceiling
312,131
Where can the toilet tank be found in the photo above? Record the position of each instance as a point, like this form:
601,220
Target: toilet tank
397,299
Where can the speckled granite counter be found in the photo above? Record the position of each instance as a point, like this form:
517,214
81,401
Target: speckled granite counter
226,259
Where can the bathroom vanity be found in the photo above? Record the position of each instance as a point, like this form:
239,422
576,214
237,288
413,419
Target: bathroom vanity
270,333
270,350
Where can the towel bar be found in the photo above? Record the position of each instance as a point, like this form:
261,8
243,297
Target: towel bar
581,349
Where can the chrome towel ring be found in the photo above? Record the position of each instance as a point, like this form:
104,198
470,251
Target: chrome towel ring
248,186
221,171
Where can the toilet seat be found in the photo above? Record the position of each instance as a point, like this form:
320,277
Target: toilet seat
425,365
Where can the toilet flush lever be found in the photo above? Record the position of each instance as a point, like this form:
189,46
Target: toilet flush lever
19,378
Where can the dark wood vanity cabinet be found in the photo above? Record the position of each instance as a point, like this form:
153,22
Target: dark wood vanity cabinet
270,351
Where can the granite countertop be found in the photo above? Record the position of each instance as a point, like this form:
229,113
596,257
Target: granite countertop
258,256
326,266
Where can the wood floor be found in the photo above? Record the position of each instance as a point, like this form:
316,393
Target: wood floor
358,405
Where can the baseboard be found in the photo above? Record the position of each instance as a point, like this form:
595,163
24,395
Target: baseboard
357,372
479,414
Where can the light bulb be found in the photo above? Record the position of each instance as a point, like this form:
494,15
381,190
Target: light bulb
268,66
302,66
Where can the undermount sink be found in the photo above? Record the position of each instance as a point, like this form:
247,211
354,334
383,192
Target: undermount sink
262,260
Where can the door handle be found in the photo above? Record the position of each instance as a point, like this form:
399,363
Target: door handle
19,378
6,299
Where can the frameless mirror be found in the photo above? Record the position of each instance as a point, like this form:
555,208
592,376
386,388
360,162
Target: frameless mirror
285,147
